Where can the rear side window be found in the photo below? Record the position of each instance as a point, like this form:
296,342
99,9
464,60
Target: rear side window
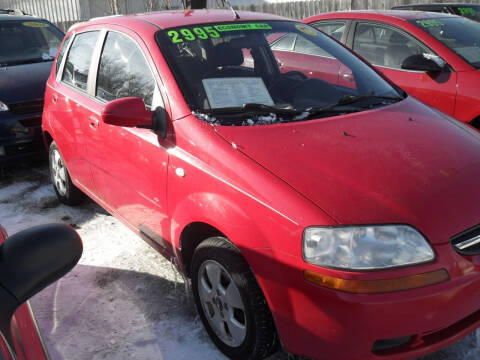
78,60
305,46
123,71
334,29
285,43
62,54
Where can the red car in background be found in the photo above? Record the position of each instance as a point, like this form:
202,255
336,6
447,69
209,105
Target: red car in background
433,56
309,211
30,260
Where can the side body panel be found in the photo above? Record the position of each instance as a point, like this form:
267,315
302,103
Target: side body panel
468,104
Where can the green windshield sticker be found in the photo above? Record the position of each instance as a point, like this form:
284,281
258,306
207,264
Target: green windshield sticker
205,32
245,26
306,29
185,34
466,11
429,23
35,24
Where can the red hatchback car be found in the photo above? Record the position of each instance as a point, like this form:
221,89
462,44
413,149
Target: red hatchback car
324,217
433,56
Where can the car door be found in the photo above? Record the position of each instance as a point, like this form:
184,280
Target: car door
338,29
387,47
129,165
68,108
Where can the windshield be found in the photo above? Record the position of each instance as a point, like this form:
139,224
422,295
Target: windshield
23,42
459,34
468,10
277,70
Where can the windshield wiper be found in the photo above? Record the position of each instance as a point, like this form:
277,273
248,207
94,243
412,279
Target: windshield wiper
253,108
27,61
347,100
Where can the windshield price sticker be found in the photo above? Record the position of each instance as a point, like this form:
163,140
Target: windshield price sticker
35,24
234,92
306,29
466,11
205,32
241,27
429,23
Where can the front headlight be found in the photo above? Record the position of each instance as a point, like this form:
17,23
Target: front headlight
3,106
365,247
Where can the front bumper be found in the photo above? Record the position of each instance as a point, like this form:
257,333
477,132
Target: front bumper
20,136
320,323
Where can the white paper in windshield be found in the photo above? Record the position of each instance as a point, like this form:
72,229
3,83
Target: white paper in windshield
236,91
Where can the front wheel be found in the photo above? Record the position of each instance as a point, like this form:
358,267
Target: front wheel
230,303
64,188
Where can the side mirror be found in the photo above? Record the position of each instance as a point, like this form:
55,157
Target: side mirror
129,112
30,261
424,62
159,122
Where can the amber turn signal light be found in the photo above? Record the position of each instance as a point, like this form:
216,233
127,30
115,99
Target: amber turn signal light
377,286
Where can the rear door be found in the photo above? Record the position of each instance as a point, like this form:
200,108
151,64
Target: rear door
387,47
68,107
302,55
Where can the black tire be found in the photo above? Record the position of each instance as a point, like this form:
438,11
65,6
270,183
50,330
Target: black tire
65,190
260,339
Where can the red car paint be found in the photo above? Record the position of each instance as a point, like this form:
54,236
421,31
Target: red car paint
26,336
455,93
263,185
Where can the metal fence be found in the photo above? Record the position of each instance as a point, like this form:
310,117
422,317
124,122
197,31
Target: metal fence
67,12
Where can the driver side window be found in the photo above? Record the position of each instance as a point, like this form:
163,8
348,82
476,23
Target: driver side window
385,46
124,72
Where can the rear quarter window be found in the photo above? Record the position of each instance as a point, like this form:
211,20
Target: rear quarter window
61,54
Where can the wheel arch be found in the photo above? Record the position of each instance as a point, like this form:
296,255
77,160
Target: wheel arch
47,138
191,236
202,215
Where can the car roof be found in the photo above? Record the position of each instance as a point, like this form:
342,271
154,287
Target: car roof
438,4
389,14
167,19
4,17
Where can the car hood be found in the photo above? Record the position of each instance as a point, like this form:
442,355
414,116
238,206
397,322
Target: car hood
404,163
23,82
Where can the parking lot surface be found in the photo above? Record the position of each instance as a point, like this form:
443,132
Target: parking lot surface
123,300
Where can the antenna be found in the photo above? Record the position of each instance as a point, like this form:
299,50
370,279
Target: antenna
234,12
227,2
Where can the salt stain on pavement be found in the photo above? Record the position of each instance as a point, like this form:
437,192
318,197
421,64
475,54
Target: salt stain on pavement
123,300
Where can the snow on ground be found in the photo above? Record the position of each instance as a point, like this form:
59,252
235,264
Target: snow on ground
123,300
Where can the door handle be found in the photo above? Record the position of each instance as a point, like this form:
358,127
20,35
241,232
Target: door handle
94,122
54,98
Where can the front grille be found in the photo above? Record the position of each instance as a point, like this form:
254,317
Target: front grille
19,149
31,122
28,107
467,242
